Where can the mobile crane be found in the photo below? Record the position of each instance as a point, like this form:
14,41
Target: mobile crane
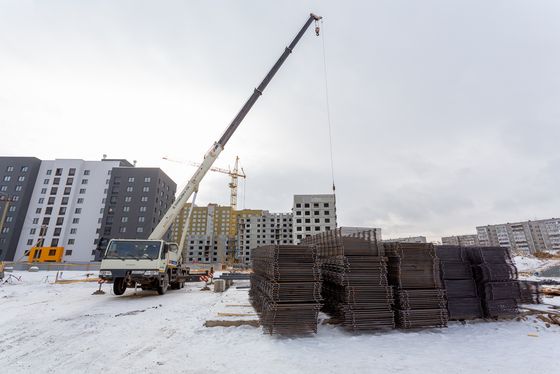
155,264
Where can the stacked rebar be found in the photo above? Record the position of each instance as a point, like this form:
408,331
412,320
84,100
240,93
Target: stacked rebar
496,280
463,302
529,292
414,273
355,287
286,288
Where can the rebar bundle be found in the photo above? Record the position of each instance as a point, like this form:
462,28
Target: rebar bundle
463,301
496,278
529,292
414,271
286,289
354,272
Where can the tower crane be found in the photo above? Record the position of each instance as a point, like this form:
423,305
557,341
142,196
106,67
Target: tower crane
236,173
156,264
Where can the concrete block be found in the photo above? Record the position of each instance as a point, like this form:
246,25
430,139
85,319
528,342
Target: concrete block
219,285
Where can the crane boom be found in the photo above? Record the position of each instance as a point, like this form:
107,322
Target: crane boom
217,147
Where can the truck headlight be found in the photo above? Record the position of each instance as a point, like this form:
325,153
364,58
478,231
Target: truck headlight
151,273
105,273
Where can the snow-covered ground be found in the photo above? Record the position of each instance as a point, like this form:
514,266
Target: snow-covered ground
532,264
54,328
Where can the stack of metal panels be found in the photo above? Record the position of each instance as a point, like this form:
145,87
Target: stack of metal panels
414,272
496,279
354,271
463,301
286,289
529,292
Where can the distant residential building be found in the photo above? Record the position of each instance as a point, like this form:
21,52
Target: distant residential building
312,215
17,180
255,230
66,208
527,236
462,240
351,231
136,201
409,239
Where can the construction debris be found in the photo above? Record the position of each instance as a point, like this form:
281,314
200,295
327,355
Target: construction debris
285,289
414,271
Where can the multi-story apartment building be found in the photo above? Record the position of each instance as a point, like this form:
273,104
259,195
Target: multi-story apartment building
66,208
526,236
313,214
267,228
17,180
136,201
462,240
408,239
210,235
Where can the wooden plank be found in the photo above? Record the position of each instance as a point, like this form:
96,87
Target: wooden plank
236,314
219,323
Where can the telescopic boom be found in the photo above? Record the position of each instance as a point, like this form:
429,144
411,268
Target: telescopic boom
218,147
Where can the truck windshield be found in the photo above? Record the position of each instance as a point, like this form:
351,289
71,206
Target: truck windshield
133,249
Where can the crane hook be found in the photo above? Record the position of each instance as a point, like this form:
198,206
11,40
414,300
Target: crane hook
317,28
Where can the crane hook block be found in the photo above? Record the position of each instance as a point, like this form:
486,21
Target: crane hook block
317,30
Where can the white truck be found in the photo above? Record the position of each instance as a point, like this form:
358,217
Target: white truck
153,263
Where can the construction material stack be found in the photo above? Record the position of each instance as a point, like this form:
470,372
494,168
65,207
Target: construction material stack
463,302
529,292
355,286
420,300
496,280
286,289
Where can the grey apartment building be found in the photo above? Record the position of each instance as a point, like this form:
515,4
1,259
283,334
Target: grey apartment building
17,180
527,236
137,199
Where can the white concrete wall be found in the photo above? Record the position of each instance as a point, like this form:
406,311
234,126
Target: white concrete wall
91,207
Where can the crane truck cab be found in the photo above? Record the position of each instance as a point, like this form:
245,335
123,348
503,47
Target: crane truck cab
152,264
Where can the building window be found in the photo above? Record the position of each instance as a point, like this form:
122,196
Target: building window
35,221
68,252
21,179
54,190
146,189
51,200
124,219
12,208
142,208
78,211
73,231
4,188
41,200
86,172
144,199
43,191
58,172
18,188
127,199
48,210
126,208
67,190
84,181
7,178
10,168
69,181
327,212
57,231
62,210
141,219
130,179
122,229
71,241
76,220
38,211
56,181
29,241
147,180
82,191
129,189
5,230
32,231
49,172
46,181
139,229
24,169
64,200
80,200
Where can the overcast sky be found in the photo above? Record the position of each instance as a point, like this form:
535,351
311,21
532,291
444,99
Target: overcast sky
445,114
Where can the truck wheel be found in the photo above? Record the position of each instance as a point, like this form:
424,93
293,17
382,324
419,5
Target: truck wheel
163,288
119,286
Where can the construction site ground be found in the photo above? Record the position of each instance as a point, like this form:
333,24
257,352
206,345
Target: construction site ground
63,328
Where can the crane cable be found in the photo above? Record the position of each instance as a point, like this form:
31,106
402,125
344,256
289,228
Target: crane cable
327,102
